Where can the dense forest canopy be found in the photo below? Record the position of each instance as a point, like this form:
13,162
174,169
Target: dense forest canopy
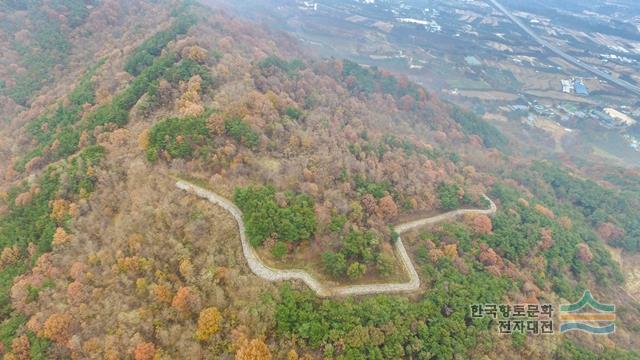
103,257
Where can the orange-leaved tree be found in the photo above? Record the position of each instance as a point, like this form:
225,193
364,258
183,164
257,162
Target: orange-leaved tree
58,328
208,323
144,351
255,349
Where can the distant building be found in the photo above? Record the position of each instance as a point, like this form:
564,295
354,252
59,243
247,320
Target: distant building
567,86
580,87
612,119
633,142
309,5
542,110
580,114
472,61
620,118
568,108
518,107
429,25
574,86
604,119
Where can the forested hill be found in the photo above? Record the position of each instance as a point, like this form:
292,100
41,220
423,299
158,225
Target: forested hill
106,104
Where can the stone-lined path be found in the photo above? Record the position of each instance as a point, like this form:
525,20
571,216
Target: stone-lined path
271,274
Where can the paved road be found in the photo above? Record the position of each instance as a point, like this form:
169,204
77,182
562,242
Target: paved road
323,290
619,82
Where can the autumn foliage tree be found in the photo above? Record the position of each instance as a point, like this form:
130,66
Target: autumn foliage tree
59,209
9,256
544,211
61,237
608,231
482,224
161,294
547,238
388,207
584,253
58,328
488,257
20,347
195,53
144,351
186,300
255,349
450,250
190,103
208,323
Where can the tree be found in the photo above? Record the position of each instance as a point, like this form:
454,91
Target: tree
58,328
584,253
489,257
356,212
161,294
215,123
144,55
307,175
292,355
292,219
547,239
59,209
189,103
186,300
92,346
177,137
61,237
256,349
609,232
335,263
20,347
76,292
144,351
241,132
451,250
195,53
544,211
384,264
208,323
369,204
9,256
279,250
24,198
388,207
482,224
186,268
407,103
293,113
361,246
472,124
449,196
356,270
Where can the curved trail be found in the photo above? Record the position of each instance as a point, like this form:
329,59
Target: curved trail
271,274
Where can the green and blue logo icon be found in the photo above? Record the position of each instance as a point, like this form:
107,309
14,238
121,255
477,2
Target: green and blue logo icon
601,321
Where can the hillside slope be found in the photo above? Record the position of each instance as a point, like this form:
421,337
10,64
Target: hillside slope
104,258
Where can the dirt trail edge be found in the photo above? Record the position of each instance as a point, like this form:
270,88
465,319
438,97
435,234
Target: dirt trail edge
271,274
